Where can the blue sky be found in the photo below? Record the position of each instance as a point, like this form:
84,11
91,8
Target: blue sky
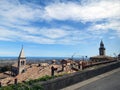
59,27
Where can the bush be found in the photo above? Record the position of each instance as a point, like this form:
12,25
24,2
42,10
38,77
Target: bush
36,87
44,78
29,85
6,88
22,86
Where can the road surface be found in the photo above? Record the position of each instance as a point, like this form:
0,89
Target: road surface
106,81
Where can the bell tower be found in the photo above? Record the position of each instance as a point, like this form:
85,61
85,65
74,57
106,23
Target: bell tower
102,49
21,61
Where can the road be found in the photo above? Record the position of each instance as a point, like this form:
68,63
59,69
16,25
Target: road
107,81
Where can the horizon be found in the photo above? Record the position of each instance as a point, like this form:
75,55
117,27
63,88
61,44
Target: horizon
59,28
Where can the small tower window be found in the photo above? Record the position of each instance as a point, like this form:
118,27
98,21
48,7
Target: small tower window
22,62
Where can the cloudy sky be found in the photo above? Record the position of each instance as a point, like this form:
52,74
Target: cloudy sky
59,27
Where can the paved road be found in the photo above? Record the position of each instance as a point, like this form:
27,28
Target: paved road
111,82
106,81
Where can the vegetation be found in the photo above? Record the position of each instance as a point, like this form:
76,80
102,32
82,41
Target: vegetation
29,85
44,78
22,86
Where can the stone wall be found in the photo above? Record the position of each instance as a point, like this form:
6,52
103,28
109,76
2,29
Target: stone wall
70,79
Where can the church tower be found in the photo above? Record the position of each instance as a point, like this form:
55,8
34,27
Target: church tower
101,49
21,62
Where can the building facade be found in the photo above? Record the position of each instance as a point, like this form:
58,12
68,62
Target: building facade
19,67
102,55
102,49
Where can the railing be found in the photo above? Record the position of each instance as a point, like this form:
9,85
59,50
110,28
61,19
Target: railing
98,63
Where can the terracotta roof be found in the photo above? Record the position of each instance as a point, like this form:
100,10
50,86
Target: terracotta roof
101,56
15,65
35,72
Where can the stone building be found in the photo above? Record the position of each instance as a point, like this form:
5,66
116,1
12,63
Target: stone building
67,62
102,56
102,49
19,67
21,62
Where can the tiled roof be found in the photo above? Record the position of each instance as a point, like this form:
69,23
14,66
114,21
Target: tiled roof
101,56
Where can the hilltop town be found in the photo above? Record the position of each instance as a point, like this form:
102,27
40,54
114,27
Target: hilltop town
21,71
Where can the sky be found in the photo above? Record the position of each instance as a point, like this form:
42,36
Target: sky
59,28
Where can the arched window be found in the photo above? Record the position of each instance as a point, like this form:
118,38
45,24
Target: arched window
23,62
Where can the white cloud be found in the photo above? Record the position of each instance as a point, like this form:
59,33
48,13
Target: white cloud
19,35
36,39
8,34
20,14
16,18
54,33
4,39
43,35
107,27
112,37
93,11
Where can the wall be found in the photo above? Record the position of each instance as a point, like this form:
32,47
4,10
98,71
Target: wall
70,79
